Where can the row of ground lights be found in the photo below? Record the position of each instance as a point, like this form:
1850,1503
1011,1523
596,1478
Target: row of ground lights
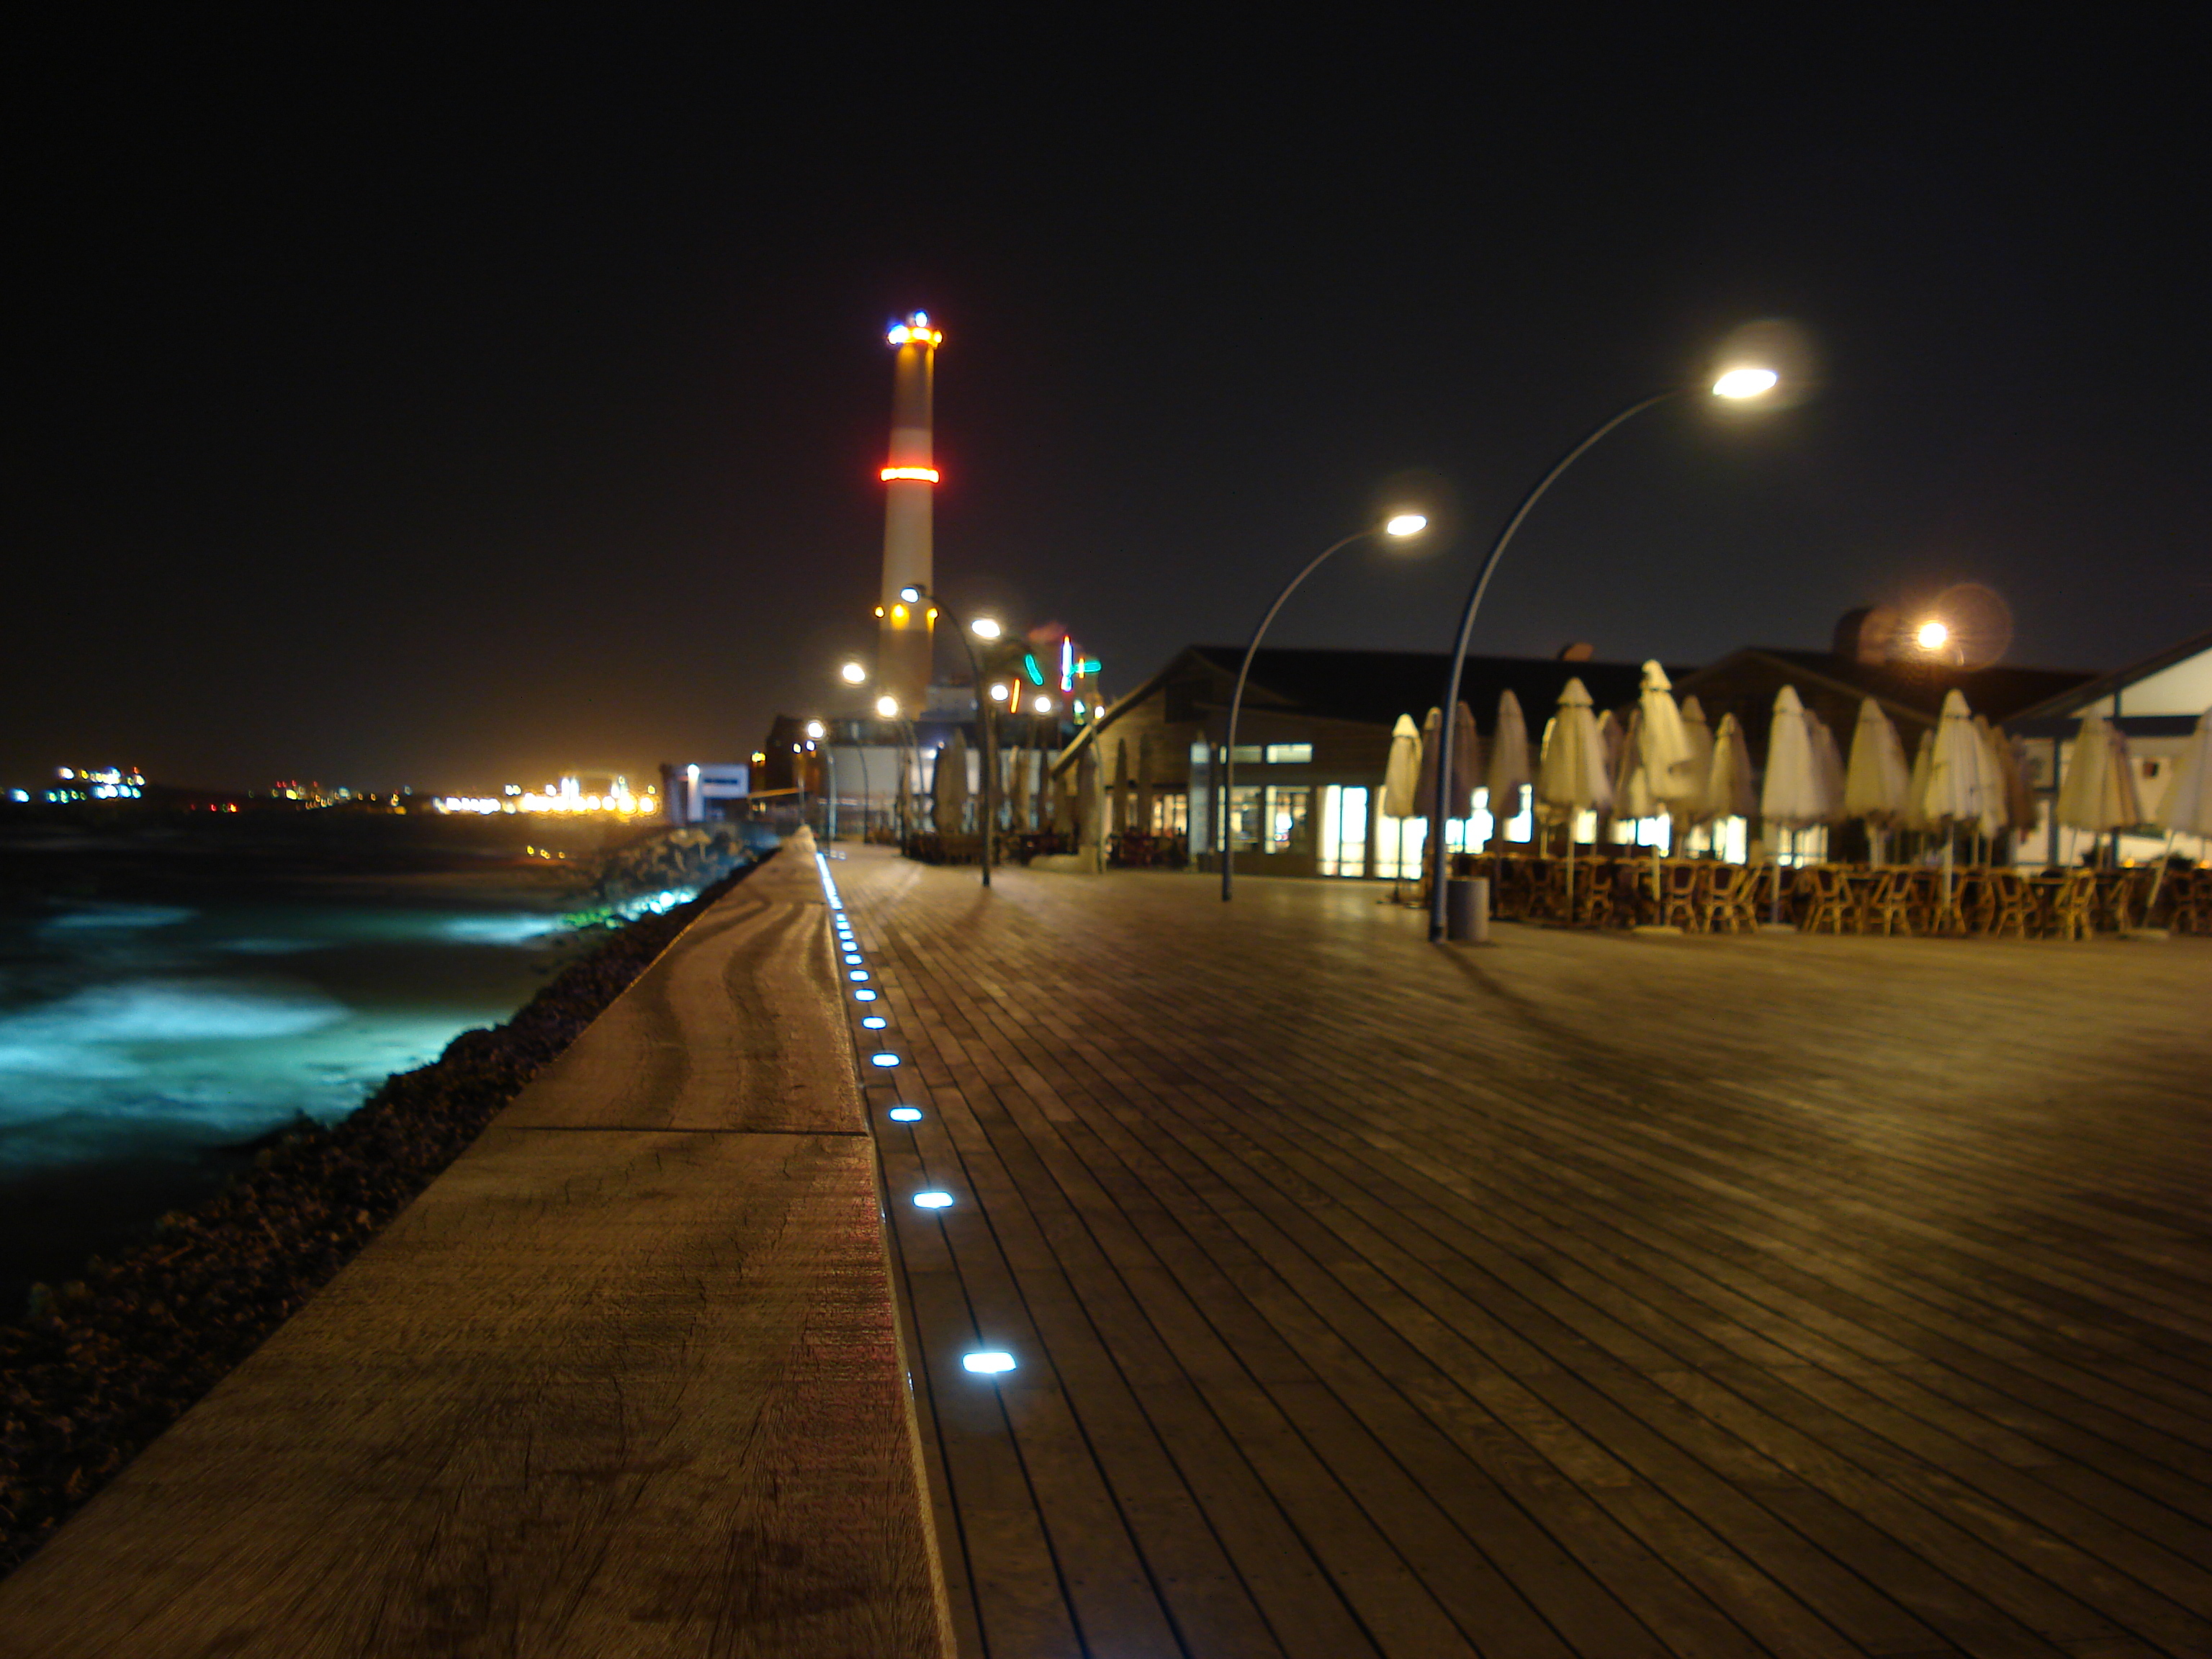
988,1362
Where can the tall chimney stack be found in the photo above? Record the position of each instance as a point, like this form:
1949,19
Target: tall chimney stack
903,654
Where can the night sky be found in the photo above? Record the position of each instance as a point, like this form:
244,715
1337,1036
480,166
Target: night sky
406,402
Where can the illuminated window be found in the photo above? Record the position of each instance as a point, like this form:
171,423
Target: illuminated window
1170,812
1398,846
1288,754
1247,806
1289,827
1344,831
1248,754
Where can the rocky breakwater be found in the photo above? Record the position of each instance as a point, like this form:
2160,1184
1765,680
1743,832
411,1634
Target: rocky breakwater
101,1365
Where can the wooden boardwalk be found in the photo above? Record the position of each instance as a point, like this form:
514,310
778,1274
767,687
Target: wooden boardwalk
1582,1295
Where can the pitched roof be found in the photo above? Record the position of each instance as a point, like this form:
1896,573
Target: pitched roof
1373,688
2071,700
1914,690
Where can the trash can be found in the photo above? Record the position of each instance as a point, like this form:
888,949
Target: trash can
1466,911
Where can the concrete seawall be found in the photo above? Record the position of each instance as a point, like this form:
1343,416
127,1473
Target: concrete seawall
625,1380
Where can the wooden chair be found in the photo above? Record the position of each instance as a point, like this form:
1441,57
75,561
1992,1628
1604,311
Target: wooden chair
2073,911
2008,911
1888,906
2191,909
1730,906
1686,894
1824,900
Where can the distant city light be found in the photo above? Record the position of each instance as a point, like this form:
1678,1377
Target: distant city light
914,331
1741,382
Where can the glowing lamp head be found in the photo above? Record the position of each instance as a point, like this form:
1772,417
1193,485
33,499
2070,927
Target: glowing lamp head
1044,705
1739,384
814,728
914,331
911,595
985,628
853,674
1406,524
887,707
997,694
1932,637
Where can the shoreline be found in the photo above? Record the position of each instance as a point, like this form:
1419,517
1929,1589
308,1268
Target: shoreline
101,1365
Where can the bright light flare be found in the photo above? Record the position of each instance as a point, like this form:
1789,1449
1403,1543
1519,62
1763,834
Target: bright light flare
887,707
990,1363
1044,705
1406,524
904,1115
1747,382
910,474
1932,637
985,628
853,674
933,1200
814,728
997,694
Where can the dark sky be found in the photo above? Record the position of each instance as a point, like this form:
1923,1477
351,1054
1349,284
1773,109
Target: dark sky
406,402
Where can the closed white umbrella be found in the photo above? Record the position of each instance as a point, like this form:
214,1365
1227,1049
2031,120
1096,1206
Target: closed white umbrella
1572,775
1956,774
1467,764
2187,808
1633,796
1091,805
1792,794
1424,774
2098,792
1690,808
1876,782
1730,793
1915,815
1828,766
949,787
1508,772
1401,773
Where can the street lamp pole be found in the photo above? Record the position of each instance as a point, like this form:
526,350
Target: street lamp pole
1438,859
1405,524
1737,385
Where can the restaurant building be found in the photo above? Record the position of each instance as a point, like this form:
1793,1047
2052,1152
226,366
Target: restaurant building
1313,743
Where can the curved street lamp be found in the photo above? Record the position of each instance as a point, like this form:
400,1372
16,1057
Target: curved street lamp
1400,526
1737,385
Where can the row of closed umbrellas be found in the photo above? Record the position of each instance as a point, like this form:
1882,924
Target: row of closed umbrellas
1666,762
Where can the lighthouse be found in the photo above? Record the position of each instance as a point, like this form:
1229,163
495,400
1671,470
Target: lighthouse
903,657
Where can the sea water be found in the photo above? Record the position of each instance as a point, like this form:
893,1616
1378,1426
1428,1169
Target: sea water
141,1043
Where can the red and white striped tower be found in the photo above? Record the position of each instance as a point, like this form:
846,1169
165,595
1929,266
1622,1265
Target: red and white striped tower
903,654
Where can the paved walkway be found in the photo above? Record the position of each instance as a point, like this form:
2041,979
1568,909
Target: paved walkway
623,1381
1586,1294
